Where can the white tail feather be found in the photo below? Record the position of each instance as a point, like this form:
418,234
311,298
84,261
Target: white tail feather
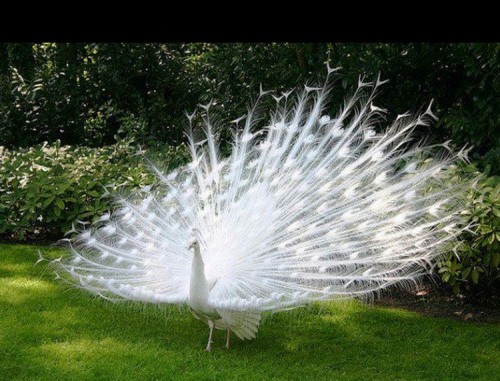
313,207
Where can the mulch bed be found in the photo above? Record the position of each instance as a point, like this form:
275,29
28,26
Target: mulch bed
431,301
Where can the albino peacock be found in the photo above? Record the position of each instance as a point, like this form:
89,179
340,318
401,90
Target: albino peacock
307,208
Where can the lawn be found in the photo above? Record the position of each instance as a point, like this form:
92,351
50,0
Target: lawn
49,331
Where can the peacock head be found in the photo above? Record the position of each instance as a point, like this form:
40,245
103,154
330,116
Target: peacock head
193,244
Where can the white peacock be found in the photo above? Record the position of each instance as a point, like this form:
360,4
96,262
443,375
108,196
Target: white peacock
308,208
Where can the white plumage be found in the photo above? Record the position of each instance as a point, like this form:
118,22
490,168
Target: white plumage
307,208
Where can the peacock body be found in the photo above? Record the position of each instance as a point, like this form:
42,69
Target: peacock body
308,208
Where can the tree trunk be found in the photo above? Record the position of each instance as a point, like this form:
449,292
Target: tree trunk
301,58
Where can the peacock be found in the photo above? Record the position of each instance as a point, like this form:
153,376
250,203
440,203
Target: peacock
307,207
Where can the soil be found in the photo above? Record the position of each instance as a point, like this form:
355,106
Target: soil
432,301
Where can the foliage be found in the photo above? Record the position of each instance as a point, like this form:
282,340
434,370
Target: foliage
475,263
45,188
51,332
92,94
81,94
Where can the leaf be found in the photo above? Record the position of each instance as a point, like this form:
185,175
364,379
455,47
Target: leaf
47,202
475,276
466,272
60,204
491,238
495,259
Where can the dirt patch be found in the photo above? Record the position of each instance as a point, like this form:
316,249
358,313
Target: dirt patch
432,301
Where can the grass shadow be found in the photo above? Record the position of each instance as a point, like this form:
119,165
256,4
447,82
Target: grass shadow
48,331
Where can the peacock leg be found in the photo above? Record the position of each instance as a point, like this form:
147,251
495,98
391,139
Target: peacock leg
228,341
211,325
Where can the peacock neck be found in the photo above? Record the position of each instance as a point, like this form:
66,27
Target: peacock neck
198,287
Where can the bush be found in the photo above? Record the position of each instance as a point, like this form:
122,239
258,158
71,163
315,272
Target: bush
475,263
44,189
88,94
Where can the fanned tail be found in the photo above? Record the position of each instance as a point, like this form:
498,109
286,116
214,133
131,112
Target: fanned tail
310,207
352,210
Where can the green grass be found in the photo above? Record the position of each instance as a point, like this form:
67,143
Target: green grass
51,332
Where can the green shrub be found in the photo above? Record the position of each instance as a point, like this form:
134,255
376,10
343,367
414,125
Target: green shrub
44,189
88,93
475,262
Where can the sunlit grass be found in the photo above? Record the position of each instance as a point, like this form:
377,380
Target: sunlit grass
51,332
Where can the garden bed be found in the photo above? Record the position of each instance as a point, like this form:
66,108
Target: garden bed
431,301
